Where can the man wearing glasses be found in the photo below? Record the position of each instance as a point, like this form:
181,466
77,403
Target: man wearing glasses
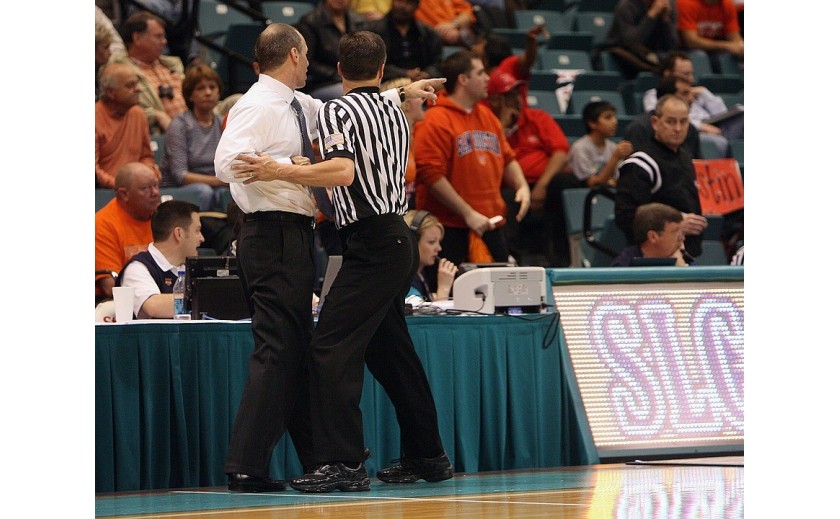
160,75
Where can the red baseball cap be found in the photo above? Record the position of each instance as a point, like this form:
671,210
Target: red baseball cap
502,83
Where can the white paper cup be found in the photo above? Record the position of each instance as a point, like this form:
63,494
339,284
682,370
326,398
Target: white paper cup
124,303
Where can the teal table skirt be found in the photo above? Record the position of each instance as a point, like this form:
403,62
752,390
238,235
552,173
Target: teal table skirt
167,394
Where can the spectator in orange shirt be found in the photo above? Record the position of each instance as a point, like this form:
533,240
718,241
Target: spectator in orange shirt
120,128
463,158
124,225
452,19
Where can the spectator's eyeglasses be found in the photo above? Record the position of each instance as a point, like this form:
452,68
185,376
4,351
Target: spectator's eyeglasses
165,92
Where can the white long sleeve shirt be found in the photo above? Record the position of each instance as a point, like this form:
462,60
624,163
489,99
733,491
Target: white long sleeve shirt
705,105
262,121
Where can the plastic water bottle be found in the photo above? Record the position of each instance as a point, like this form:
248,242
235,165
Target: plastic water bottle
178,293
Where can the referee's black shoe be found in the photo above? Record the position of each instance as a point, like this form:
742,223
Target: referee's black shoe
334,476
313,468
410,470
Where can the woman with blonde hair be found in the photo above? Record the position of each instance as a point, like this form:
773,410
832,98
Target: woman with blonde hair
429,231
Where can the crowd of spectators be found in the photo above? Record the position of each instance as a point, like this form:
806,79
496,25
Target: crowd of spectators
482,151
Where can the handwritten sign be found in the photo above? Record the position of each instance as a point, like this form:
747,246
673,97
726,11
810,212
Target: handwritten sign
719,185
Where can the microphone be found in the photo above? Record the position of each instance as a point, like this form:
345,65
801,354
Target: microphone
688,257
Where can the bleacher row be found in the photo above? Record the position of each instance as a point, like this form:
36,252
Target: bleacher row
575,29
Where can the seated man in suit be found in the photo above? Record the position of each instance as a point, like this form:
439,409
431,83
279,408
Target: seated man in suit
176,229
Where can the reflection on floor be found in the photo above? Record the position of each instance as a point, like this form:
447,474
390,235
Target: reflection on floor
701,487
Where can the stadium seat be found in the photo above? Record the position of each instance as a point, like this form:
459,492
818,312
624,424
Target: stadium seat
565,59
715,228
214,18
608,236
238,76
573,216
702,63
597,80
645,81
731,99
729,64
518,38
598,23
609,63
284,11
602,239
714,253
224,199
722,83
103,196
601,209
571,41
604,6
555,21
581,98
177,193
563,6
572,126
545,100
737,148
448,50
710,150
543,80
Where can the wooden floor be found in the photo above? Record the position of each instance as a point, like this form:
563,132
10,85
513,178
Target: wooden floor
696,488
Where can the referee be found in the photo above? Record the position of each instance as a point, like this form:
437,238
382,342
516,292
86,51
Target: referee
364,137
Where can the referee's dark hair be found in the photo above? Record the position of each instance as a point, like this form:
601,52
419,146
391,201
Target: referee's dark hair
360,55
454,65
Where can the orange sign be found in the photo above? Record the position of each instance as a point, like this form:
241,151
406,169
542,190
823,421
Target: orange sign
720,185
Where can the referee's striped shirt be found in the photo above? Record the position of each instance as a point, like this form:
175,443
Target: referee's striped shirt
373,131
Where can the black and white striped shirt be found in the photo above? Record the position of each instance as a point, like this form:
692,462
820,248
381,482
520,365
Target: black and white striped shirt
373,131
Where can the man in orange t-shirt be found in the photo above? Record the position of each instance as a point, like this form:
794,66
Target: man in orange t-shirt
121,131
124,225
462,160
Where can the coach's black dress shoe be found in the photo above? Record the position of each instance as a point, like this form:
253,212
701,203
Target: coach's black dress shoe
246,483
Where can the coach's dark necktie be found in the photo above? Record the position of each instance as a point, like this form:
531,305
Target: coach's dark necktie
321,197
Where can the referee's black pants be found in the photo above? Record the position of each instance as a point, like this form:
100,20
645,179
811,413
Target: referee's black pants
275,258
362,321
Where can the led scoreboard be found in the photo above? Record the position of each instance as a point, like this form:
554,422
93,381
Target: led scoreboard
655,357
